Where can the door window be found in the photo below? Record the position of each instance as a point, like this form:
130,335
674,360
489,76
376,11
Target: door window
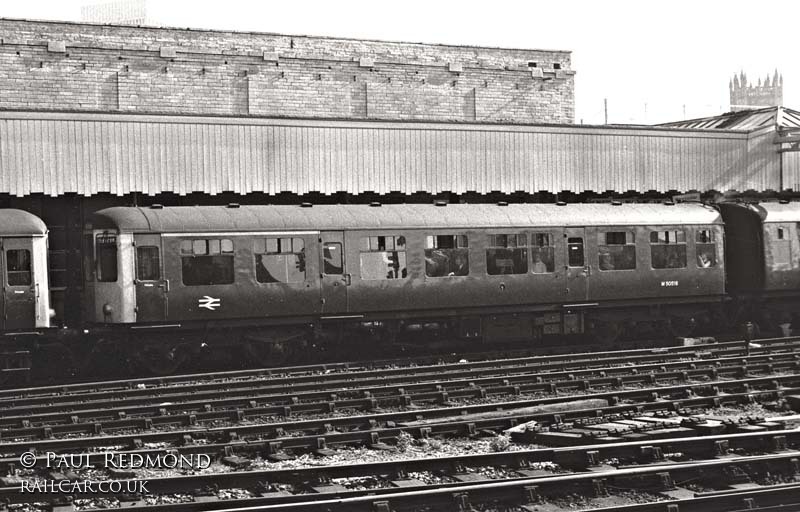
18,267
332,258
575,251
148,266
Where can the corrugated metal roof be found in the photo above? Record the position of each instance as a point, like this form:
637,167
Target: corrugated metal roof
747,120
55,154
20,223
203,219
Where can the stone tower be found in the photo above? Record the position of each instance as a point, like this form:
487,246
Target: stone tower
745,96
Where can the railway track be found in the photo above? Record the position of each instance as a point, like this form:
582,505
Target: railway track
567,420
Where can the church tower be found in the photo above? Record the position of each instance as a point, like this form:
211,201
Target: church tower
746,96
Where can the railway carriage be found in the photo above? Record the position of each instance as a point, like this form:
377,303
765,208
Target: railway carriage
269,275
764,261
25,301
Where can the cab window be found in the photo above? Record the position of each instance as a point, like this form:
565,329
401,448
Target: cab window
105,254
383,257
507,254
280,260
207,262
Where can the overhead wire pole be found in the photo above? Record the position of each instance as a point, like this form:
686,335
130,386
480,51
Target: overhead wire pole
605,110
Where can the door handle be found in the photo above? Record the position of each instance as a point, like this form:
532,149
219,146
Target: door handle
347,279
587,271
165,285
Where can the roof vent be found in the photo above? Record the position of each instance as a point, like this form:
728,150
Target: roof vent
156,206
306,205
561,203
616,203
784,201
440,202
375,204
502,203
233,205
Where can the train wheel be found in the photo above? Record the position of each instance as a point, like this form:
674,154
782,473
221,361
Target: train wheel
681,326
266,353
55,361
160,359
606,331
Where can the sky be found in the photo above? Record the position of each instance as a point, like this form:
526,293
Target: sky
653,61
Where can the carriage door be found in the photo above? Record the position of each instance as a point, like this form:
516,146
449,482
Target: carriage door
151,287
335,278
577,265
19,290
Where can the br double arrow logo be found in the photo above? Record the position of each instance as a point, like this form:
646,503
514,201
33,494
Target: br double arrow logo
210,303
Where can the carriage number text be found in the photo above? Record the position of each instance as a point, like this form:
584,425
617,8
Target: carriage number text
669,283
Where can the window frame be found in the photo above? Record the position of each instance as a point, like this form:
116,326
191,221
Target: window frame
668,243
393,243
551,239
460,243
28,272
698,245
604,232
213,249
138,257
521,243
265,242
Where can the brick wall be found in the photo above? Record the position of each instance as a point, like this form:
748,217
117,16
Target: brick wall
88,67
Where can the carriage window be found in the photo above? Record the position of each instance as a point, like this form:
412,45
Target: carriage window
148,266
507,254
446,255
575,251
18,267
705,248
280,260
668,249
105,253
383,257
781,247
205,262
543,253
617,250
332,258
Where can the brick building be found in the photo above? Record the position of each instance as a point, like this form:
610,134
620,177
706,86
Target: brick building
89,67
